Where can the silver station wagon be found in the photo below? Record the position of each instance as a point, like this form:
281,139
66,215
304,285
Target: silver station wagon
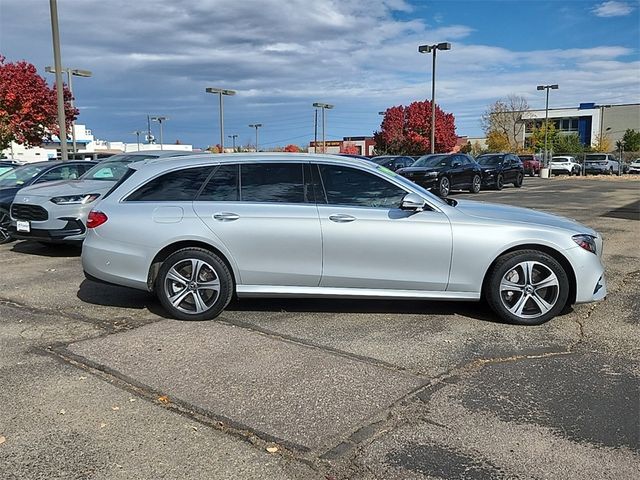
197,230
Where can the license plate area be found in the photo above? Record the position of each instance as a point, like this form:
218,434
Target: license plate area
23,226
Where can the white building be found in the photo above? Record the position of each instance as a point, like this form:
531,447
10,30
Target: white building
86,143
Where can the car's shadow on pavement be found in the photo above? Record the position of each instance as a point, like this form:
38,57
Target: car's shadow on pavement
47,249
475,310
121,297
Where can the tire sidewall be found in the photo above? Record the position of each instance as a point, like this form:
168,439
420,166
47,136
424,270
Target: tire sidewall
510,260
440,185
499,182
222,271
475,187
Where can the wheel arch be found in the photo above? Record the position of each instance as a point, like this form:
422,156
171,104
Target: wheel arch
168,250
557,255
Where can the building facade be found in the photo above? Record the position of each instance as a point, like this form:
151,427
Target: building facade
357,145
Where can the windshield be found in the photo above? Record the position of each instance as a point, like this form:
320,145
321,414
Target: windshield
20,176
113,168
490,160
428,161
409,184
5,168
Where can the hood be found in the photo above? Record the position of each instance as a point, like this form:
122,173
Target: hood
492,211
67,187
417,170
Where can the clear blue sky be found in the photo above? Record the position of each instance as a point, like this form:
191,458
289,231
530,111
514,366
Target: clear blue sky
361,55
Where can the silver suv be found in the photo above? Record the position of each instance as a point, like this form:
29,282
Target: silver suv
197,230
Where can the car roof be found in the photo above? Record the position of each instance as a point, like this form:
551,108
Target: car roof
266,157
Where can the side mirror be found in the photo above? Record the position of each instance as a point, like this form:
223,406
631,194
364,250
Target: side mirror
456,164
413,201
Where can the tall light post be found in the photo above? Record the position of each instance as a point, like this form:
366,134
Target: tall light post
323,106
137,134
71,72
256,126
433,49
546,119
234,136
160,120
220,92
57,61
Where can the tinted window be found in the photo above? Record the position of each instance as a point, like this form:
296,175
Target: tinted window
176,186
348,186
65,172
223,186
272,182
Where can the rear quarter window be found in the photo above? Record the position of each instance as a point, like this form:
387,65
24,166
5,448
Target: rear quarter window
175,186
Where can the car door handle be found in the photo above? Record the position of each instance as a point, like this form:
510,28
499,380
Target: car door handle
341,218
226,216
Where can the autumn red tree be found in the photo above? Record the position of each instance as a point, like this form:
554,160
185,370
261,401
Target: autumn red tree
349,148
407,130
292,149
28,106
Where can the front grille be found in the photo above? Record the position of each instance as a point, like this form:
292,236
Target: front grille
21,211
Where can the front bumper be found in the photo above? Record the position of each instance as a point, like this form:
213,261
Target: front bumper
597,169
425,182
73,231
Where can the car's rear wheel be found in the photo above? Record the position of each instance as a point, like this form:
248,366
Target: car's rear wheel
500,182
519,179
527,287
532,173
194,284
444,187
5,221
476,183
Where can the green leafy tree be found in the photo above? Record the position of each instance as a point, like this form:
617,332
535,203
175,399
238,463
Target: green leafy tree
498,142
631,140
567,144
536,140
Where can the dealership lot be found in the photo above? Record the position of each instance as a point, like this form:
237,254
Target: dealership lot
96,383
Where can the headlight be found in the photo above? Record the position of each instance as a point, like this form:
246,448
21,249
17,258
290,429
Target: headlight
431,174
588,242
75,199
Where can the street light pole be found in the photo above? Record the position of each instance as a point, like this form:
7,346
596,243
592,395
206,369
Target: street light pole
57,60
546,119
137,134
160,120
256,126
234,136
71,72
433,49
220,92
323,106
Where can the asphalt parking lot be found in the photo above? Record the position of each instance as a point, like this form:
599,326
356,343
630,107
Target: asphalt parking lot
96,383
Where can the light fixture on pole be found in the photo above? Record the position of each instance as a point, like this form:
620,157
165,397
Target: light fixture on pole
234,136
71,72
137,134
57,60
160,120
546,119
433,49
256,126
220,92
323,106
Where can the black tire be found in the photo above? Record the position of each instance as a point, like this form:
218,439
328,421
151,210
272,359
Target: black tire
532,173
499,182
5,221
519,180
525,304
189,301
476,184
444,186
610,171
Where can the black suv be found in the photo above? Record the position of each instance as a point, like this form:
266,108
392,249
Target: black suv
445,172
499,169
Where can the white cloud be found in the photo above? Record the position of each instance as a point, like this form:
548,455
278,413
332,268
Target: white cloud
612,8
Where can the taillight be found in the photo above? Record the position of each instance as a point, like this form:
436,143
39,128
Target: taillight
96,218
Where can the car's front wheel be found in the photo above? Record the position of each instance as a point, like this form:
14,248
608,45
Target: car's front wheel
444,186
194,284
5,221
527,287
499,182
476,183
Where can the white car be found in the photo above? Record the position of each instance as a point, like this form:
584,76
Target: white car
635,166
565,165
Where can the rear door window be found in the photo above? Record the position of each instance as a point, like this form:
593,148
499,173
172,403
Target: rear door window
176,186
222,186
272,183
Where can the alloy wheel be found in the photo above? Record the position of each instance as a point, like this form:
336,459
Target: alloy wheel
5,221
444,186
192,286
529,290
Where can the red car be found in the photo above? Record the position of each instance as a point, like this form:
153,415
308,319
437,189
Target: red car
531,164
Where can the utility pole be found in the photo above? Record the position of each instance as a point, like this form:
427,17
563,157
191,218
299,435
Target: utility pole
221,92
57,61
234,136
160,120
315,132
323,106
137,134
